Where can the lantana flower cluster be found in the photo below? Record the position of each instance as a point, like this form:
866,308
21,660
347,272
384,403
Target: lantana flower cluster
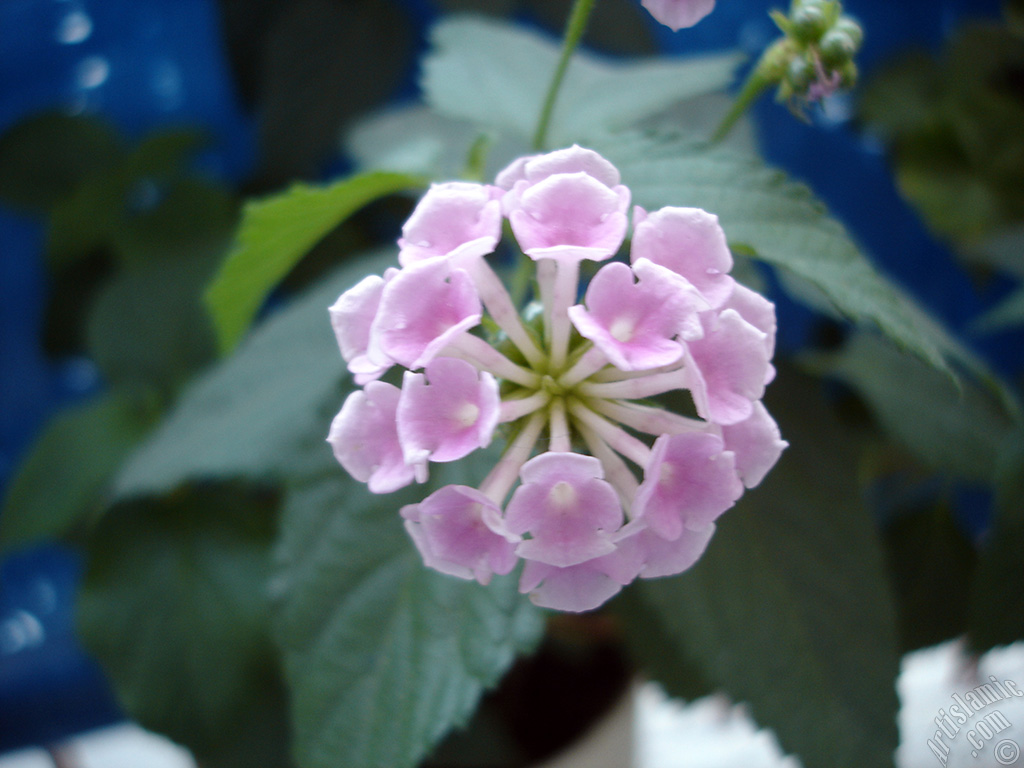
598,484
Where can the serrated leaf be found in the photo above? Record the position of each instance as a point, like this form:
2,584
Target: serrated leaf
276,233
383,656
956,430
250,414
789,609
782,223
497,75
173,604
60,482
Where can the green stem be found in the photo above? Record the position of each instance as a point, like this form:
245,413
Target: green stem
754,87
574,28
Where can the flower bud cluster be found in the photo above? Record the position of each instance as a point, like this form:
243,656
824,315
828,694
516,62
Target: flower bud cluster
816,56
598,483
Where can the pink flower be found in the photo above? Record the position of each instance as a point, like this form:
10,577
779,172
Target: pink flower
567,508
639,325
688,241
727,368
678,14
689,481
760,313
425,307
566,205
364,436
455,219
756,443
459,531
446,413
574,386
352,316
663,557
580,587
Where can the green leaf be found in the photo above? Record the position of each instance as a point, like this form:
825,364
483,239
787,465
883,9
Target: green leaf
383,656
497,74
250,414
997,593
60,483
165,153
956,430
789,608
192,218
44,157
277,232
147,326
85,219
173,604
781,221
415,139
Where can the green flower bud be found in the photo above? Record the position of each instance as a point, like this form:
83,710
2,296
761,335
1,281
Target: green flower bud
800,74
808,23
849,27
772,66
836,47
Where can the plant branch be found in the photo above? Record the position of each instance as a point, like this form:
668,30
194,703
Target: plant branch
574,29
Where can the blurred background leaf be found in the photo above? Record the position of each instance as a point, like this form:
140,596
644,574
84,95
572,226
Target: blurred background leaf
256,413
496,75
173,604
60,483
960,430
954,125
46,155
307,68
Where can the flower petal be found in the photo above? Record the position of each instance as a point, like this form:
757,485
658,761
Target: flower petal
448,412
364,437
567,507
458,531
690,242
689,481
454,219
